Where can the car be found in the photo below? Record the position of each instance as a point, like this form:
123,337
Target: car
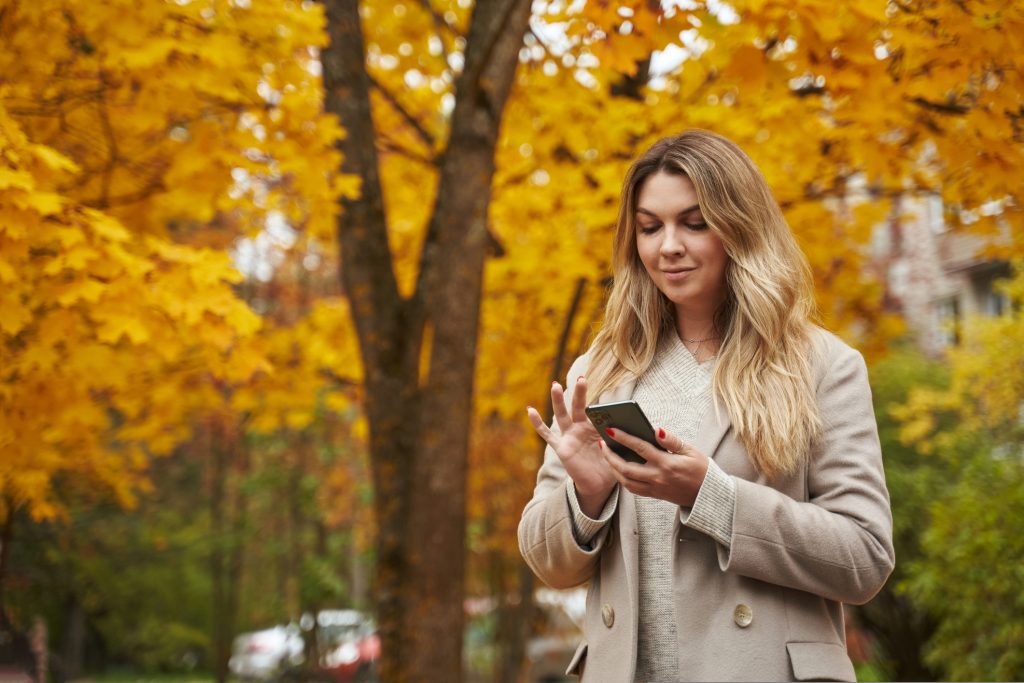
549,652
349,647
262,655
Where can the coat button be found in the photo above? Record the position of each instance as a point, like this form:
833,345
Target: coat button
607,615
742,615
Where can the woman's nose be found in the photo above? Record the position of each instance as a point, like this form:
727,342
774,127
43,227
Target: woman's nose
672,241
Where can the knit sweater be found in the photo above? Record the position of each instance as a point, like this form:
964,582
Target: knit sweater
674,393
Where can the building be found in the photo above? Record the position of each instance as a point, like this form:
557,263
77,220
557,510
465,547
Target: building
934,276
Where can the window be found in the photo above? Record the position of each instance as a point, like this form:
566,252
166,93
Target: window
948,314
995,303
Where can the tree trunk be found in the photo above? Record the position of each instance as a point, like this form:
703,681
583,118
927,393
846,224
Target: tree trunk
239,454
515,617
73,649
902,632
6,538
218,477
419,434
387,331
226,522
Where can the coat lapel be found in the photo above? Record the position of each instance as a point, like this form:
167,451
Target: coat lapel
627,512
712,429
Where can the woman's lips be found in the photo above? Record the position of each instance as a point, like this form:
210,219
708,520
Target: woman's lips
677,274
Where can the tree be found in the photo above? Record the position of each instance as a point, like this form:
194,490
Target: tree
972,552
141,142
418,351
843,108
900,626
138,143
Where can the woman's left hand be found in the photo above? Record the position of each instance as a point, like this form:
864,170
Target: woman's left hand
673,472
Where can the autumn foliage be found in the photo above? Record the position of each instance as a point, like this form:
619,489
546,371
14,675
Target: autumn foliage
171,192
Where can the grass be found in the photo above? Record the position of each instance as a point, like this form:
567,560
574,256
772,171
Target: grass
127,676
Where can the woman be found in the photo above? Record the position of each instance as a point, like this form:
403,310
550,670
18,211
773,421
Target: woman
729,553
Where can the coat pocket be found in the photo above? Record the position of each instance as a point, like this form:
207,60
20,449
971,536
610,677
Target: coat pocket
575,667
820,662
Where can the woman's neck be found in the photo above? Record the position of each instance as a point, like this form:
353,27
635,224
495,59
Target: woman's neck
692,328
698,335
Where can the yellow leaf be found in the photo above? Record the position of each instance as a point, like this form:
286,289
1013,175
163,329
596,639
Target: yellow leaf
44,203
14,179
54,159
36,357
112,327
264,423
874,10
81,290
360,429
7,273
298,419
337,402
107,227
13,316
347,186
748,66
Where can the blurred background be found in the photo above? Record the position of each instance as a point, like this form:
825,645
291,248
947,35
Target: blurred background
279,278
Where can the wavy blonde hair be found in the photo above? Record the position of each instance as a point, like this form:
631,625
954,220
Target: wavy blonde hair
763,375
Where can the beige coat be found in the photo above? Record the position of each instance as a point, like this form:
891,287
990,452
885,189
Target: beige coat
770,606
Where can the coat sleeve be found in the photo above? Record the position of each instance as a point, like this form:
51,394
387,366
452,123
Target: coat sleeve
838,544
546,538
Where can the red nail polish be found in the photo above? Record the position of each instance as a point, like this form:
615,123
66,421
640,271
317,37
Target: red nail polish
661,433
610,432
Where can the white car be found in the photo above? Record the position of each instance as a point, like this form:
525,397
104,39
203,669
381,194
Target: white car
259,655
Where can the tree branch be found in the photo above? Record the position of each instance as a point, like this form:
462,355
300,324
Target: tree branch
388,144
439,21
425,135
473,72
108,133
808,90
631,86
105,201
367,269
950,108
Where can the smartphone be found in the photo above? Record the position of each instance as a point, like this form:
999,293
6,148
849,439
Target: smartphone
627,416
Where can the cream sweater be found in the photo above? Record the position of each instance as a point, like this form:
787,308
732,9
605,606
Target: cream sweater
674,393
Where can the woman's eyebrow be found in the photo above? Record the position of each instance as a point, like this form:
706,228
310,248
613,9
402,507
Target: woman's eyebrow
688,209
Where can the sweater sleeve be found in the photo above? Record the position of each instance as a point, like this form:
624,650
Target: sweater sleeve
713,510
585,528
546,539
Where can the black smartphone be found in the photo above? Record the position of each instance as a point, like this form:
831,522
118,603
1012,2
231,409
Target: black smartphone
626,416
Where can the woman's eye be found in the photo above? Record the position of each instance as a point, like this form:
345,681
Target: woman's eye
697,226
648,229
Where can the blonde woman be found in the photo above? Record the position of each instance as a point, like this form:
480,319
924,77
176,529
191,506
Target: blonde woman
728,554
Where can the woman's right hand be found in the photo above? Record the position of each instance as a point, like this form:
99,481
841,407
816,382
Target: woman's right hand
577,445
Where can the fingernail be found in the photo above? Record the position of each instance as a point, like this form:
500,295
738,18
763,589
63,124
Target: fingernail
661,433
609,431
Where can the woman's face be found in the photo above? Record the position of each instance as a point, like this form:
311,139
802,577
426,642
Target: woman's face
683,256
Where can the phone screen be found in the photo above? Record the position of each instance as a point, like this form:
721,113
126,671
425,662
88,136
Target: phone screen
626,416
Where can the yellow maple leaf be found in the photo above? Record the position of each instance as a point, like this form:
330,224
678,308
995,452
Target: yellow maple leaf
43,203
14,316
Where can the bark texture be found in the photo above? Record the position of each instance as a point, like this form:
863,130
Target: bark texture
419,431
